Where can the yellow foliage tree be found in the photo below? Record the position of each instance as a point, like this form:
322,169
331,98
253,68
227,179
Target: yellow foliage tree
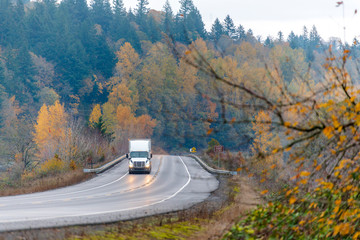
95,115
125,117
264,142
109,117
50,128
145,126
121,94
128,60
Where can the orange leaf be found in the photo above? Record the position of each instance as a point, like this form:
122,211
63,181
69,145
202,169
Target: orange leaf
304,173
345,229
328,132
304,181
287,124
275,150
264,192
210,131
356,235
292,200
287,149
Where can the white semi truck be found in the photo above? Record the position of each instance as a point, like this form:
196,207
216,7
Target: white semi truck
139,155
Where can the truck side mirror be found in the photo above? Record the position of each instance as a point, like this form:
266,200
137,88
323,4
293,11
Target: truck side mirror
127,155
150,155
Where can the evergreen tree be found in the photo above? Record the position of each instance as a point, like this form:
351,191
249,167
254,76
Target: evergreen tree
240,33
217,30
269,42
314,39
168,22
229,27
186,6
153,29
101,13
21,83
280,36
250,36
119,9
119,24
189,24
141,14
293,40
304,40
199,26
313,44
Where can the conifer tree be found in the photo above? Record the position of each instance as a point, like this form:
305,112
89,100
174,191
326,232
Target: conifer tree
168,22
217,30
240,33
229,27
141,14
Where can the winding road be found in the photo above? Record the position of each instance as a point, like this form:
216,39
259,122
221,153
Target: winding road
175,183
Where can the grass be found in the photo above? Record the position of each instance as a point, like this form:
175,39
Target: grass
45,183
178,230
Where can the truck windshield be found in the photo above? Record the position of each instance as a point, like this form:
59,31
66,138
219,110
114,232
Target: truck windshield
138,155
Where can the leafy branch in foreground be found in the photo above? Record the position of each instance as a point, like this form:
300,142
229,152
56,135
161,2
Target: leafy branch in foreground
318,124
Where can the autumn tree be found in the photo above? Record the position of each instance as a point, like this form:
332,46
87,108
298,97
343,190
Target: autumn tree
95,115
264,142
128,60
318,126
50,130
16,142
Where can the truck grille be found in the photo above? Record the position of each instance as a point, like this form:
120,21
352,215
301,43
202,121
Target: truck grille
139,164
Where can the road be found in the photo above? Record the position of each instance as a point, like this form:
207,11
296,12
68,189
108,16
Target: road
175,183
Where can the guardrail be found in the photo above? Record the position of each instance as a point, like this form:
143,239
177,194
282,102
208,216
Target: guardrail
104,167
210,169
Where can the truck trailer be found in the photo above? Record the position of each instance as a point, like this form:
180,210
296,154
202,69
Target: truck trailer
139,155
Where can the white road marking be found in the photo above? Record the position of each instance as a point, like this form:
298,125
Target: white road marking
76,192
99,195
112,211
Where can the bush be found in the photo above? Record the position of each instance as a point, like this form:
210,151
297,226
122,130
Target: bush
52,166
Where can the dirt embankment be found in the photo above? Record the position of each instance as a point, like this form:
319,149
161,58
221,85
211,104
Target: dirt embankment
245,198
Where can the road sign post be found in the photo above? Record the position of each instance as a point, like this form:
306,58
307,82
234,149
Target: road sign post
218,149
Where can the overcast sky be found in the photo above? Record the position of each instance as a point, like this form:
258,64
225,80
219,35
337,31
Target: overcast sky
268,17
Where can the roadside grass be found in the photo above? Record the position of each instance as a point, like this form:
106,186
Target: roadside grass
177,230
45,183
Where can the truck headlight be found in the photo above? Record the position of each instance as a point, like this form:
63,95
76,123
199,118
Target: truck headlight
131,164
147,164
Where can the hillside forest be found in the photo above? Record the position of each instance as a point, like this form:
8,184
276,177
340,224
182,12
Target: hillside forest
77,80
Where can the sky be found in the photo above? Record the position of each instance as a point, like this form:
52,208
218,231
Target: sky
268,17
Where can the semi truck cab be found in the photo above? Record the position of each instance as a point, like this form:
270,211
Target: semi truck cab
139,155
